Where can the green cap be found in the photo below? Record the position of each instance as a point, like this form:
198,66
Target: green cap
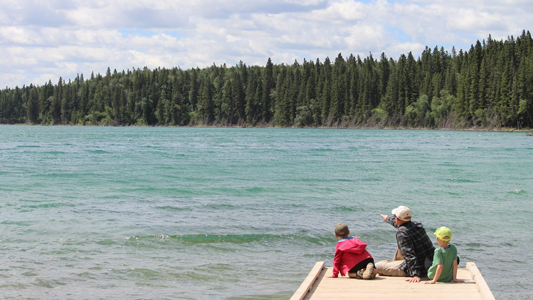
444,234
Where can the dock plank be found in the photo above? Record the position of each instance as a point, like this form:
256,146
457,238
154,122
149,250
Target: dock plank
318,286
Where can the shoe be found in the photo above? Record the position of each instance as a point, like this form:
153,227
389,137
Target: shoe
369,272
360,274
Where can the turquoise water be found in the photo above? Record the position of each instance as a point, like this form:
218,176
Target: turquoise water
216,213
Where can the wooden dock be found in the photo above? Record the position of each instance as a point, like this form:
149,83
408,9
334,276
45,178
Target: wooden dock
317,285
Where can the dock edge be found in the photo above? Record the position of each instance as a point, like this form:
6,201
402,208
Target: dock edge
307,284
482,285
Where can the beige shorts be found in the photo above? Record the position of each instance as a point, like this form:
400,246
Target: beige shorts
390,268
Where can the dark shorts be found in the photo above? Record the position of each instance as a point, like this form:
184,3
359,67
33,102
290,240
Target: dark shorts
361,265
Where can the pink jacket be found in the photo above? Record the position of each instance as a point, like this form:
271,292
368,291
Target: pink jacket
348,253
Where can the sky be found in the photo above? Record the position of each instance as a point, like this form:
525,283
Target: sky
42,40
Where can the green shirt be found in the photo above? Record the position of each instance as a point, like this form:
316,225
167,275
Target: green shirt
444,257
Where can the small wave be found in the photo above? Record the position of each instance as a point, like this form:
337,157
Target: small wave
87,275
478,245
98,151
453,193
18,223
144,273
173,208
59,175
346,209
517,191
106,242
308,180
371,179
319,150
229,238
346,180
54,152
463,180
220,206
255,189
48,283
214,239
49,205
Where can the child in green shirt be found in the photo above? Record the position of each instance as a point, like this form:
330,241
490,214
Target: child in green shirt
444,267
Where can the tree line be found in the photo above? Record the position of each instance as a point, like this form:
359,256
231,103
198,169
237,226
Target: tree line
488,86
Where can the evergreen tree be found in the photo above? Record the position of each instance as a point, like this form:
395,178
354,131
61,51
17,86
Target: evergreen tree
268,87
33,106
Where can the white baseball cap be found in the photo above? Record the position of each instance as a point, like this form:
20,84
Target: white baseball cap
402,212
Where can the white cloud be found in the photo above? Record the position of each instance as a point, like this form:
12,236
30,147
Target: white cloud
346,10
42,40
17,36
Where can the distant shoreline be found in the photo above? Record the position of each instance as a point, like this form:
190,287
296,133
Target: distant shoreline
479,129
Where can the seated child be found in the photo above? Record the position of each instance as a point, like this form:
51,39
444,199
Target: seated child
444,267
351,256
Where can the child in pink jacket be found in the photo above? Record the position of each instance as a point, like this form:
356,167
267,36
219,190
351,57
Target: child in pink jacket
351,256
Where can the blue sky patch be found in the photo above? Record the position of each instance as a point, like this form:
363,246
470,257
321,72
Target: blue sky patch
137,32
149,33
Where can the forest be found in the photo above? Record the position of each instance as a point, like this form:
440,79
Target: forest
490,86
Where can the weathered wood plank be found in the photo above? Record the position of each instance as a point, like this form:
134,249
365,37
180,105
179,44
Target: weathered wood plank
308,282
480,281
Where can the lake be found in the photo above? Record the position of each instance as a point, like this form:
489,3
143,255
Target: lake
233,213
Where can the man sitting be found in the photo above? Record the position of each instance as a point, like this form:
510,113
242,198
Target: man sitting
414,244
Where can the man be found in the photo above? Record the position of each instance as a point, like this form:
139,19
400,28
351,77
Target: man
413,243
